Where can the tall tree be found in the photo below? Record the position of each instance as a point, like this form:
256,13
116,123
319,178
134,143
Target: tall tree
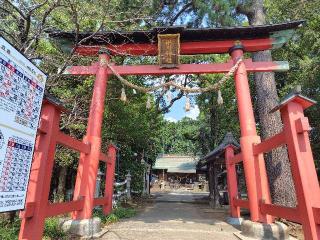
180,137
277,162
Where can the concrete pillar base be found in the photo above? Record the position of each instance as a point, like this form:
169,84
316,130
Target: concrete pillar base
255,230
87,228
234,221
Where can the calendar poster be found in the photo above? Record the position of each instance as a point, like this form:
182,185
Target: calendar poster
22,87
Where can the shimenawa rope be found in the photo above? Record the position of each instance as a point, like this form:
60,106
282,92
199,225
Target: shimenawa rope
213,87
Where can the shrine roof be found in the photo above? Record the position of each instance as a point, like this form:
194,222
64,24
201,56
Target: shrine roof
186,34
215,154
176,163
295,96
55,101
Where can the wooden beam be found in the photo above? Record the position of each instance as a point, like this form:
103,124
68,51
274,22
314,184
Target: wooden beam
81,70
100,201
316,214
105,158
183,68
241,203
186,48
236,159
43,126
55,209
28,211
72,143
291,214
269,144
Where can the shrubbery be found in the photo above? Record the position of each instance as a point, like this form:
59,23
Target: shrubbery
115,215
10,230
52,231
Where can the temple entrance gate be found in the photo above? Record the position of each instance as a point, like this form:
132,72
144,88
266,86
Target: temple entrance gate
235,41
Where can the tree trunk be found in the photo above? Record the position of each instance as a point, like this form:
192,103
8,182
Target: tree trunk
277,162
211,185
216,195
213,123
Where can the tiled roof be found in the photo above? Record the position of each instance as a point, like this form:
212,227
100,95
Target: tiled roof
215,153
176,163
187,34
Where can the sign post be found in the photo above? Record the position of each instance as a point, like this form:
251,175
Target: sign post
22,87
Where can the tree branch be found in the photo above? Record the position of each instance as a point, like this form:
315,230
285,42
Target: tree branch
77,43
13,38
166,108
8,12
35,7
180,95
41,26
16,9
182,10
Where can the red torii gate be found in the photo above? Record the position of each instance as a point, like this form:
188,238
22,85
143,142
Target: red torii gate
236,41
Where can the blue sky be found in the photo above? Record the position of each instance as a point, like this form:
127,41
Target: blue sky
177,111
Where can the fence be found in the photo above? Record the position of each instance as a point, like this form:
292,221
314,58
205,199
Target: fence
295,137
37,206
126,192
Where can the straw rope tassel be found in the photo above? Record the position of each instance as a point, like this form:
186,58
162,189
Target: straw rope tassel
187,107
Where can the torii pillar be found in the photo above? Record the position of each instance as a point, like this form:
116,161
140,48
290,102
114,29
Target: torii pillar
256,176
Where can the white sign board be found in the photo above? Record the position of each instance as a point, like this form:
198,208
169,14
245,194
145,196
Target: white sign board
21,92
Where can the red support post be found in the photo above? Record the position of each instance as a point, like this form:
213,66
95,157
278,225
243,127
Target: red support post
110,168
232,182
254,166
296,128
40,176
89,163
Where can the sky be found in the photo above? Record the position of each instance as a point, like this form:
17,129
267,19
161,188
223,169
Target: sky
177,111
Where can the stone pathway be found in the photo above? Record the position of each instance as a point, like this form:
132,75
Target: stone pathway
174,216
